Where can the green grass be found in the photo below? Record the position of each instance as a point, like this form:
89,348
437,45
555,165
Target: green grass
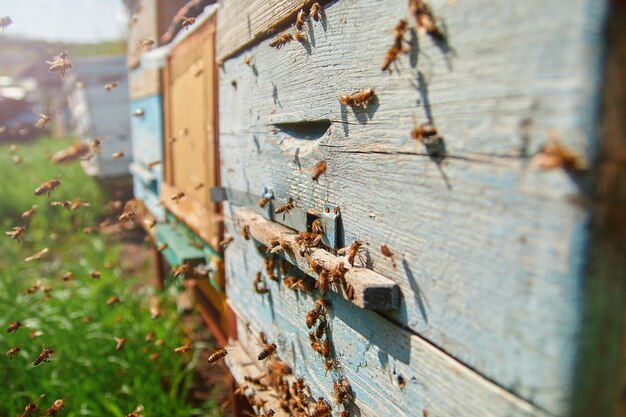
86,372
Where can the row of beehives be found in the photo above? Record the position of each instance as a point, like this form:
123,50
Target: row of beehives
349,237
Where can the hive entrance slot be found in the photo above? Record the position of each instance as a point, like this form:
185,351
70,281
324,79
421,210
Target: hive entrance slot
306,130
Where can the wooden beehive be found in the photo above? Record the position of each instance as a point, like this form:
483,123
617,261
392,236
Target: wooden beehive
503,272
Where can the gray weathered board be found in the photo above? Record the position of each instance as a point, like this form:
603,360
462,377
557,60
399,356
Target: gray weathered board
490,249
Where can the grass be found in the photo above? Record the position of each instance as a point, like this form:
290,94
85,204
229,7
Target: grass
86,371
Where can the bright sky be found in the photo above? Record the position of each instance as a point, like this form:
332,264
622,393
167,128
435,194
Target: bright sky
66,20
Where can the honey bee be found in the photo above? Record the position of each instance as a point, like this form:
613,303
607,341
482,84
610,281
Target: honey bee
180,270
120,343
198,186
5,22
281,40
329,364
401,382
37,256
48,187
269,267
263,201
306,240
352,251
150,223
555,155
287,207
321,328
113,300
384,249
343,391
135,414
299,36
323,280
256,381
184,348
425,19
16,233
319,169
154,356
43,120
67,276
338,272
55,409
154,163
268,350
300,19
13,351
245,231
138,113
162,247
300,285
276,245
279,368
188,21
29,213
358,99
17,159
146,43
44,356
31,406
317,227
176,197
61,65
259,285
114,206
227,240
118,155
313,315
214,358
65,204
322,409
423,131
130,209
96,146
315,11
95,274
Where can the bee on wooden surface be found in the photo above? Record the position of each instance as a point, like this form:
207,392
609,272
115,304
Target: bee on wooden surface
43,120
118,155
180,270
13,351
154,163
37,256
313,315
338,272
317,227
188,21
315,265
29,213
95,274
245,231
48,187
55,409
425,19
423,131
198,186
306,240
149,223
401,382
315,11
16,233
323,280
281,40
321,328
184,348
61,65
300,19
329,364
279,367
269,262
138,113
299,36
162,247
359,99
146,43
276,244
259,285
130,210
315,344
555,155
5,22
398,33
214,358
44,356
268,350
263,201
177,196
31,406
396,48
286,208
326,347
318,170
384,249
343,391
154,356
120,341
322,409
352,251
301,285
113,300
227,240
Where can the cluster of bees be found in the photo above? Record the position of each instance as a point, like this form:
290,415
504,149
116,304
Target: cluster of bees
284,38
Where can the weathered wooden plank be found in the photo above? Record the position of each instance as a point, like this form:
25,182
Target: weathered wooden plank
371,353
241,23
489,249
371,290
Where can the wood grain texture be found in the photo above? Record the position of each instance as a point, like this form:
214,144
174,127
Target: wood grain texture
490,249
371,290
371,353
242,23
